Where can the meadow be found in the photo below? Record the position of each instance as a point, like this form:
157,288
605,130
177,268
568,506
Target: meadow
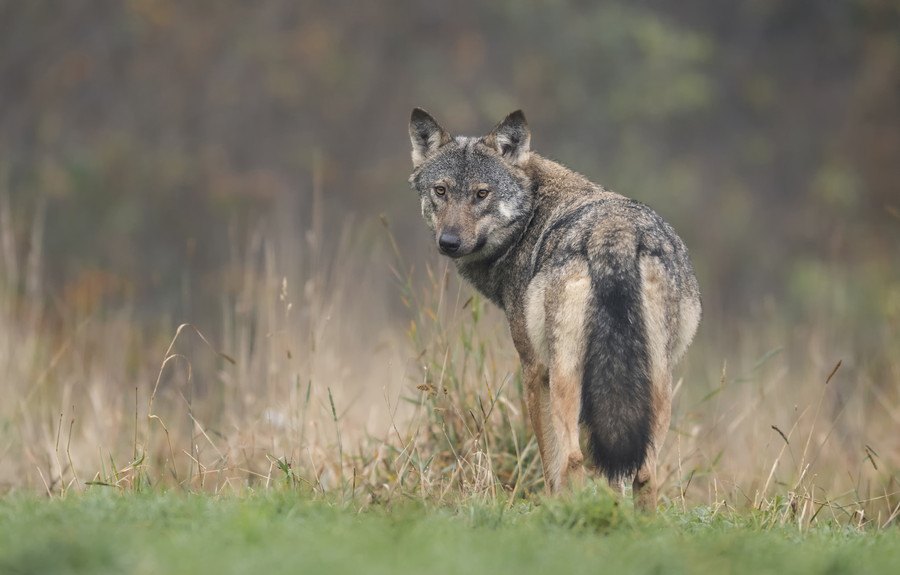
280,531
293,439
216,355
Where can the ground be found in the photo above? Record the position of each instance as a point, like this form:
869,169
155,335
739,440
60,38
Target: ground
109,532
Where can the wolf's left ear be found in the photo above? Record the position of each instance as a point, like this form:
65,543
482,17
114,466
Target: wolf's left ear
426,135
511,138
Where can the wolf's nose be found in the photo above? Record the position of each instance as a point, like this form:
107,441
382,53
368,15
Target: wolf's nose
449,242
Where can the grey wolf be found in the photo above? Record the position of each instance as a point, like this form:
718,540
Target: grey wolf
599,292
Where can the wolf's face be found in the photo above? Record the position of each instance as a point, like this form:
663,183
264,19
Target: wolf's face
475,197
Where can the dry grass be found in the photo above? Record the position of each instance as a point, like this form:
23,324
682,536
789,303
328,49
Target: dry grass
312,384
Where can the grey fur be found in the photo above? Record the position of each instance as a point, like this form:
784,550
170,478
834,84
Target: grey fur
540,230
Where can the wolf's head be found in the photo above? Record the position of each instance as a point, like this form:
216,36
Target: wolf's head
475,196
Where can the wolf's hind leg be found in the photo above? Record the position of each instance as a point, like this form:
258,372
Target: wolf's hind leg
654,302
565,408
537,399
644,487
567,315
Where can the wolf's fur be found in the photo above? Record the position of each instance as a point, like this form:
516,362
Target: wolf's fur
599,292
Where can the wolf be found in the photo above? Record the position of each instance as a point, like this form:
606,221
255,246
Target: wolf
599,292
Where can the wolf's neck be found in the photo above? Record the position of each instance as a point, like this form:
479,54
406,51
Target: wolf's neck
501,278
489,278
497,277
552,177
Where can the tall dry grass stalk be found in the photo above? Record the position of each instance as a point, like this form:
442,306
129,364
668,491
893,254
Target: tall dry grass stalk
313,384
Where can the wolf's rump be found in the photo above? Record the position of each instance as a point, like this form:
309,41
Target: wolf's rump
610,236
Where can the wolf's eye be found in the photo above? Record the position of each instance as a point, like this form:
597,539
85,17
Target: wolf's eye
440,190
482,193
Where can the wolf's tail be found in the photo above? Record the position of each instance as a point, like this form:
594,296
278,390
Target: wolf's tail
616,392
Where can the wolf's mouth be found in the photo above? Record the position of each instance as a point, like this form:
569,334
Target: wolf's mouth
451,254
461,251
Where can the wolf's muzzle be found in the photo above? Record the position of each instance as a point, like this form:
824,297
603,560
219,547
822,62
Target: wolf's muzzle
449,242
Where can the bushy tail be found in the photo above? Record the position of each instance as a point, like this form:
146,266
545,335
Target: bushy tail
616,394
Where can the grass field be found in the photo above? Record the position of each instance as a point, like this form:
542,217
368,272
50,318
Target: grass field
285,532
228,343
313,432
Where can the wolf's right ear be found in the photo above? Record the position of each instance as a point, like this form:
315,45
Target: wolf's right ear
511,138
426,136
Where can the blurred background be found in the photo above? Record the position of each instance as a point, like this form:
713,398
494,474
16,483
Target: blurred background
767,132
158,158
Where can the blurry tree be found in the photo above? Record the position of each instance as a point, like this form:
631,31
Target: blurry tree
159,131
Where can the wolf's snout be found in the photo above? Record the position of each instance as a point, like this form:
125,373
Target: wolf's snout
449,242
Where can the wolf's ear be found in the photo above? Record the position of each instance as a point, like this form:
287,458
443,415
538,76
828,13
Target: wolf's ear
426,136
511,138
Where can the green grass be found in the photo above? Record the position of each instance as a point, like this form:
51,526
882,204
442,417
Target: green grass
283,532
